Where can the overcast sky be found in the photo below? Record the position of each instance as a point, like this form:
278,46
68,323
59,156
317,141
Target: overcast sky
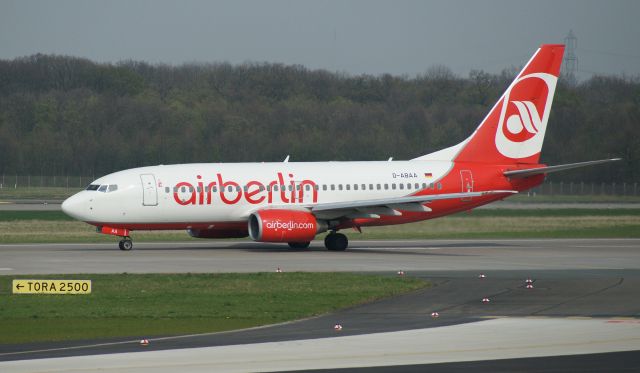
357,37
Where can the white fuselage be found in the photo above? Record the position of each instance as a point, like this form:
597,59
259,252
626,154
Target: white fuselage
191,193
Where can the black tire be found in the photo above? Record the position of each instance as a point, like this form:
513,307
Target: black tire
336,242
299,245
125,245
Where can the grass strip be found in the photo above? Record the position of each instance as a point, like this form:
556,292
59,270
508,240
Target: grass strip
61,216
145,305
535,223
37,193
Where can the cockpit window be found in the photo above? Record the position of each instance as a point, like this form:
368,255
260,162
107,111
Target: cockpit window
104,188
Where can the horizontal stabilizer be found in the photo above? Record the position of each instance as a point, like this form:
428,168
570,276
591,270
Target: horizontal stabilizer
545,170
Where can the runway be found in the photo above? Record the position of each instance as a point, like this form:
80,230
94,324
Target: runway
584,302
362,256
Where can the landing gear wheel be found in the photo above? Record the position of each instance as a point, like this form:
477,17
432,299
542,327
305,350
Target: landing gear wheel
336,242
299,245
125,244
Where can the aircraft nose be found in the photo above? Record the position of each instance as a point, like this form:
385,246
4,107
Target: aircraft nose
73,206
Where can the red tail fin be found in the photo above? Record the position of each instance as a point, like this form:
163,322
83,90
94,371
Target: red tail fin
514,129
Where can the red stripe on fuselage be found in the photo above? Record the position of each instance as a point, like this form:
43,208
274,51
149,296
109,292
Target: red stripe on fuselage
235,226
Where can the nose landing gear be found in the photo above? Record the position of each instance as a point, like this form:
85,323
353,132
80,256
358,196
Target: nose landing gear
125,243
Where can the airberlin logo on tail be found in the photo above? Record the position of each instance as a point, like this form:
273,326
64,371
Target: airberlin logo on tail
524,114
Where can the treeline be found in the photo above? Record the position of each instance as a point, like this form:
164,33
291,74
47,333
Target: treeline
64,115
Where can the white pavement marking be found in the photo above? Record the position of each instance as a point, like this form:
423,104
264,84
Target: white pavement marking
506,338
6,269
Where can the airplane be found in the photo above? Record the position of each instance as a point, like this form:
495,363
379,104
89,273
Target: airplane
293,202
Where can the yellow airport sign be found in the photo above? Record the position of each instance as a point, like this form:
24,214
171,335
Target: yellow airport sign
51,286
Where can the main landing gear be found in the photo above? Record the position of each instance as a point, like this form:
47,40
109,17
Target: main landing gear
125,244
336,241
333,241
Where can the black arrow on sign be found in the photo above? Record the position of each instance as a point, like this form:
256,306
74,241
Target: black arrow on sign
19,286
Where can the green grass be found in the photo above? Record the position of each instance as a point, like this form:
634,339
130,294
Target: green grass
136,306
54,226
38,193
477,213
34,215
565,198
517,224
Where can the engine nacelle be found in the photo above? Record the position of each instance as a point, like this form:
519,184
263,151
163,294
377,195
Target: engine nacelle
275,225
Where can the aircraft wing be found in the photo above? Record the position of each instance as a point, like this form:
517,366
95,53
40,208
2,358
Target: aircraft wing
545,170
373,208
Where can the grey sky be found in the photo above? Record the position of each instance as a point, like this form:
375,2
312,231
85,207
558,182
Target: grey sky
372,37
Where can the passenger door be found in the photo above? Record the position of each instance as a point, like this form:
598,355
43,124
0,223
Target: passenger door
149,191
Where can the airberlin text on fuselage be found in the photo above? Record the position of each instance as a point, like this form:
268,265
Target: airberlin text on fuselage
254,192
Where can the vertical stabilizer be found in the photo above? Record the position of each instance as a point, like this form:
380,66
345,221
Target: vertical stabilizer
514,129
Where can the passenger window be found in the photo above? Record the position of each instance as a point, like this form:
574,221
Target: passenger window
261,188
238,188
167,189
378,186
439,186
393,186
275,188
339,186
386,186
290,188
348,186
370,186
214,189
230,188
103,188
431,186
417,186
333,187
424,185
198,190
401,186
355,186
244,188
324,186
308,187
408,185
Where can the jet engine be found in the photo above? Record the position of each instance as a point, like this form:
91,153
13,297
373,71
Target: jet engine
277,225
